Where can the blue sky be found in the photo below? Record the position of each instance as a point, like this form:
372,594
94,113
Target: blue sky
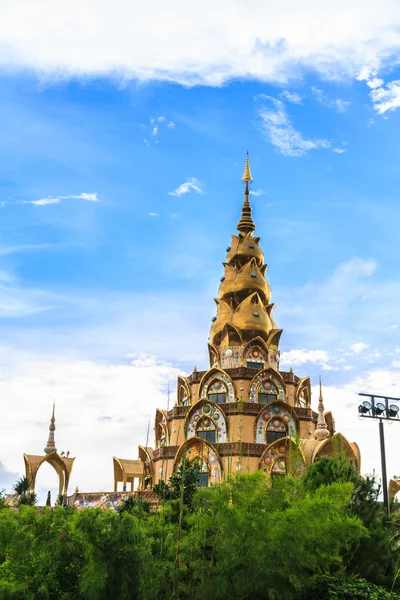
121,157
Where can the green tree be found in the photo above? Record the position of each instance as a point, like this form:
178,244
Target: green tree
253,538
375,558
182,484
116,555
327,470
327,587
22,489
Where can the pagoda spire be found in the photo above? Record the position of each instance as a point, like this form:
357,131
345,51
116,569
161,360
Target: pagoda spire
246,223
51,445
244,307
322,431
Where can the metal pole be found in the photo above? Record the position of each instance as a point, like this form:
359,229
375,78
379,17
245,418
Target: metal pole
383,460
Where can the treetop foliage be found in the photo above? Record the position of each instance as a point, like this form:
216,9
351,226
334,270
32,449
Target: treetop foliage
323,536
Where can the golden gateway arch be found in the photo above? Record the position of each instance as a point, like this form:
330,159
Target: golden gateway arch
61,464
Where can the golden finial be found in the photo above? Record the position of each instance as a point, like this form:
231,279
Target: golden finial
51,445
247,178
246,223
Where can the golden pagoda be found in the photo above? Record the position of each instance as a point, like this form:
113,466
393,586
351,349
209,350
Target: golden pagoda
243,412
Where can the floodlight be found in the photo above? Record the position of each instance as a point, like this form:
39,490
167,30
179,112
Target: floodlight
379,408
364,407
393,411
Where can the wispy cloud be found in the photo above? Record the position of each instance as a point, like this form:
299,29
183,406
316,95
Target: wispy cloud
24,248
153,214
339,150
92,197
293,97
155,127
278,129
358,347
301,356
190,185
387,97
258,192
339,105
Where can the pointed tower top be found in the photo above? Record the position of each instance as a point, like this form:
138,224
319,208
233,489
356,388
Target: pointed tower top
51,445
247,178
322,431
246,223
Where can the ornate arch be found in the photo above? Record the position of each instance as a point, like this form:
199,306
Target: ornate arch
274,459
213,354
274,376
206,409
210,376
161,428
304,387
62,466
198,449
266,417
334,443
146,456
182,390
257,344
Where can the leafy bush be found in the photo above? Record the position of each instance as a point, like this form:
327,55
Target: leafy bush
339,588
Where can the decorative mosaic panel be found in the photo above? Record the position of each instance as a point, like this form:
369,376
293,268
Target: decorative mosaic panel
261,380
205,454
274,417
211,417
274,460
231,357
220,377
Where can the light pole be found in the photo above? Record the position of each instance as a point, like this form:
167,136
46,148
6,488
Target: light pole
375,409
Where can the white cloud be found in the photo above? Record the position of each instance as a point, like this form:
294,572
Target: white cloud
154,131
395,363
302,356
43,201
339,150
58,199
153,214
96,417
191,185
171,124
293,97
386,98
271,42
372,356
339,105
375,83
258,192
278,129
358,347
